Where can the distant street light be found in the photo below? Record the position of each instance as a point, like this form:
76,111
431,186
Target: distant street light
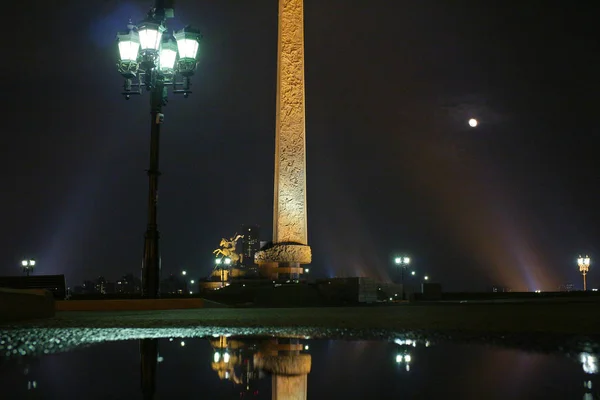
426,277
184,273
403,263
152,58
227,261
413,273
473,122
218,261
306,270
28,265
584,267
192,281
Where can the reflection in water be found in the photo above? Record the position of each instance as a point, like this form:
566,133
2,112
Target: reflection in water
148,366
223,366
241,361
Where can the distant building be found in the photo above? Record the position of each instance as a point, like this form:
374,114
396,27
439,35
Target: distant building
250,243
501,289
567,287
128,284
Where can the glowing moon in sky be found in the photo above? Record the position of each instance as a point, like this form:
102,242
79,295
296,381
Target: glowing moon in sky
473,122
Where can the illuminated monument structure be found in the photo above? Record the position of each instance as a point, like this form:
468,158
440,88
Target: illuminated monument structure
283,257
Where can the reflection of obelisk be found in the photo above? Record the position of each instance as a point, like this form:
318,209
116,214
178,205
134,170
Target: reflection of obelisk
288,367
290,244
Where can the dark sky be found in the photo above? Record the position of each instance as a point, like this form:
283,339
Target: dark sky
392,165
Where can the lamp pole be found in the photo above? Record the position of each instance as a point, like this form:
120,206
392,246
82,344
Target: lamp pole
150,59
403,263
584,267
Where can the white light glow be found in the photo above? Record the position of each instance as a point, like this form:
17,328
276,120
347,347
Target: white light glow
218,261
398,260
183,273
188,48
217,357
426,278
306,347
227,261
407,358
182,343
167,59
406,260
473,122
24,263
128,50
413,273
150,38
589,363
399,358
226,357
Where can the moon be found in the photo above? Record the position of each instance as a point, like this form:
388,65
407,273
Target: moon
473,122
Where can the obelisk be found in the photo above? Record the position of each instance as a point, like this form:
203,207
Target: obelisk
289,249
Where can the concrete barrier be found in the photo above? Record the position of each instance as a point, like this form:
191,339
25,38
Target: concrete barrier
129,305
22,304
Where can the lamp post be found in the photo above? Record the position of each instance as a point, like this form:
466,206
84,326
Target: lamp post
403,263
28,265
584,267
153,59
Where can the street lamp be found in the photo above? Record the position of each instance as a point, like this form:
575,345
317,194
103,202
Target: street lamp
403,263
28,265
152,58
584,267
184,273
426,277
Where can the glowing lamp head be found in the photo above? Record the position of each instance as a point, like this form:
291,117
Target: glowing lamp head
227,261
406,260
129,45
413,273
24,263
426,278
167,55
398,260
188,43
150,34
218,261
31,263
473,123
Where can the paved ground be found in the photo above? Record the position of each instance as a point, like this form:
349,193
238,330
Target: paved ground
518,318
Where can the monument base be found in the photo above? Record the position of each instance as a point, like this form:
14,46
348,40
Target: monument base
283,261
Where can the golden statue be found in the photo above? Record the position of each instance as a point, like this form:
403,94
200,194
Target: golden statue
227,249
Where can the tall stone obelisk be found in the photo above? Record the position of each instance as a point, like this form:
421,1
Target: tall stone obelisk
289,249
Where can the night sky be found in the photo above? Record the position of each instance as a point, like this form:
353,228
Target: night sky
393,167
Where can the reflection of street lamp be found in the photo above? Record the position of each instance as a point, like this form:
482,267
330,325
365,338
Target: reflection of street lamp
152,58
584,266
28,265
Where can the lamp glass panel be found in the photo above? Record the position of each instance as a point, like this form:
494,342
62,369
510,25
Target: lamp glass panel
167,59
128,50
150,38
188,48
